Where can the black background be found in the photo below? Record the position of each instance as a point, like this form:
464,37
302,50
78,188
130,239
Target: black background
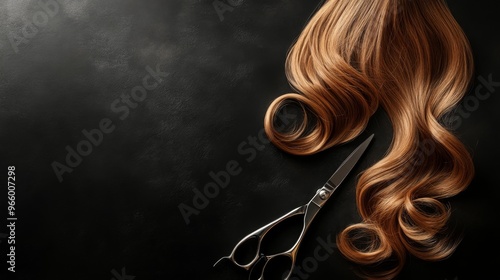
117,211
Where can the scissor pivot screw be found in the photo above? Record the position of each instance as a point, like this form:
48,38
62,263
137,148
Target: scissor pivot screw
323,195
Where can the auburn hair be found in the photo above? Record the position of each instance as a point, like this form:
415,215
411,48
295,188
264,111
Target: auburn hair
412,58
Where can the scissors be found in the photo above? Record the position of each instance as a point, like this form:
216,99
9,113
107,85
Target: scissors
309,211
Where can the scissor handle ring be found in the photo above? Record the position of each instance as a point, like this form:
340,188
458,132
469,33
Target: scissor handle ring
260,234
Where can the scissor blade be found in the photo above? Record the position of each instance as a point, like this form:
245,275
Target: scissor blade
348,164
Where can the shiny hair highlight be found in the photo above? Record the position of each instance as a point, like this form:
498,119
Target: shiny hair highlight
412,58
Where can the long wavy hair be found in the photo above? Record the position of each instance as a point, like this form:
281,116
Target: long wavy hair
412,58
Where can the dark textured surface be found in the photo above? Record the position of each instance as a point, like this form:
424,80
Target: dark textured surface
117,214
